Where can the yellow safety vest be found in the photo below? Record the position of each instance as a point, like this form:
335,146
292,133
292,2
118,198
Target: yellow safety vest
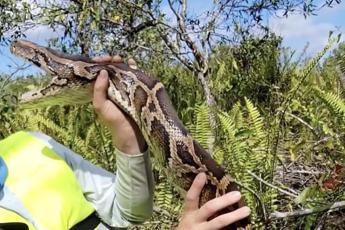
44,184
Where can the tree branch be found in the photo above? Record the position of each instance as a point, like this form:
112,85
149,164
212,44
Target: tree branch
175,50
181,19
329,208
271,185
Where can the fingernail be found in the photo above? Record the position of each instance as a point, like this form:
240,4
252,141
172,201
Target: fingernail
246,210
201,176
133,67
235,194
103,74
116,58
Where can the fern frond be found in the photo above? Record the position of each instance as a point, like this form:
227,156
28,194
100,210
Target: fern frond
341,63
305,72
235,154
237,115
221,71
255,120
165,197
245,150
218,155
227,124
76,143
202,130
334,102
314,61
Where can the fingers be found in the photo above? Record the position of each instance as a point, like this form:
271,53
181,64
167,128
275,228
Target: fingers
219,203
100,90
193,194
228,218
102,59
115,59
132,63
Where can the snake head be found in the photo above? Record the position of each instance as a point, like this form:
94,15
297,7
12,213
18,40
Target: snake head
69,77
53,62
32,53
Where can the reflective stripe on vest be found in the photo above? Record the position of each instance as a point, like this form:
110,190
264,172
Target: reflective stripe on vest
44,184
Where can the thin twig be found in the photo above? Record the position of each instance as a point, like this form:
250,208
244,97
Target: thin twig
331,208
256,196
303,122
306,172
161,211
271,185
290,189
9,77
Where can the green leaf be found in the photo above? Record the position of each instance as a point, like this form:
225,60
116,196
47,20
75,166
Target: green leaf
302,197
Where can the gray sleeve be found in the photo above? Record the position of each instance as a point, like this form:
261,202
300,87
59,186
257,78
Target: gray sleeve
120,200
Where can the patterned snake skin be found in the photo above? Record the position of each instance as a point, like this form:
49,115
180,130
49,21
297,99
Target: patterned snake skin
145,100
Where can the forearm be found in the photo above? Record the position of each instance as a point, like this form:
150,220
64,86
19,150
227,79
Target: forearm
134,186
134,176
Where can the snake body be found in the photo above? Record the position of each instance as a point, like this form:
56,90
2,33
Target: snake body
144,99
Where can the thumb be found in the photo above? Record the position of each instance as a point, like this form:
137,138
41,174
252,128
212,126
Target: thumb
100,90
193,194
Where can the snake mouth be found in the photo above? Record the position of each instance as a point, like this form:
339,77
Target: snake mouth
62,83
73,94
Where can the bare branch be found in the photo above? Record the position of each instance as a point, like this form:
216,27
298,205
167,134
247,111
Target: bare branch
303,122
329,208
18,68
143,25
271,185
176,51
132,30
200,58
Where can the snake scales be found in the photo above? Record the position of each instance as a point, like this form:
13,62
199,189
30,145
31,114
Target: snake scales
144,99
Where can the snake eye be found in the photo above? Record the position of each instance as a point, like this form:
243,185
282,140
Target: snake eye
13,48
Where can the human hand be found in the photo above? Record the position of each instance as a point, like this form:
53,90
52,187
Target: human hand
125,133
195,218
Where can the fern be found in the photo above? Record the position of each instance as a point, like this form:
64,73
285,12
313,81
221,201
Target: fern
237,159
305,72
166,198
218,155
99,137
341,63
237,115
255,121
246,150
334,102
39,120
201,130
164,195
314,61
236,154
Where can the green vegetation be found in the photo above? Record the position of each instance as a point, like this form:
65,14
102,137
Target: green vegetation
275,122
284,150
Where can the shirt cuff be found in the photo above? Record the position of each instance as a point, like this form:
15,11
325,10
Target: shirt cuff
125,155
